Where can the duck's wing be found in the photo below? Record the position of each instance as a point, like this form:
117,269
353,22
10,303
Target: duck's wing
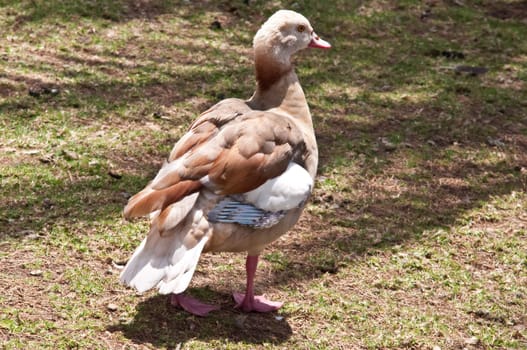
229,155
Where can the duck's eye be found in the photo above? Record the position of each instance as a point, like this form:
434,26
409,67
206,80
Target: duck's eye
301,28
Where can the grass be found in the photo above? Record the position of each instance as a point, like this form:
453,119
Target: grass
415,236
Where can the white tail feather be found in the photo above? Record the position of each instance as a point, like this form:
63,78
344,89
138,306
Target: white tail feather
178,276
163,260
145,268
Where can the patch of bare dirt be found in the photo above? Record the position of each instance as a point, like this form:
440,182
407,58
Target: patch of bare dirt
505,10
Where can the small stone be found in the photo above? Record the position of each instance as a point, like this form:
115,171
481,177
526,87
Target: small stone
495,142
386,144
124,319
112,307
35,272
279,318
472,341
432,143
70,155
436,347
46,159
33,236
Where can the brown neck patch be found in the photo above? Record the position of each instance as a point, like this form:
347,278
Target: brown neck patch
269,70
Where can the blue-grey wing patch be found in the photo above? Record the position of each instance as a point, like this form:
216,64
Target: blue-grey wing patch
232,211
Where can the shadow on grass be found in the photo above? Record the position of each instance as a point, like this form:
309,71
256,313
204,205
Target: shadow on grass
72,190
381,224
119,10
455,171
125,10
160,324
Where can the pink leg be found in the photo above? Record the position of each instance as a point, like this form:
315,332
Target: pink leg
192,305
249,302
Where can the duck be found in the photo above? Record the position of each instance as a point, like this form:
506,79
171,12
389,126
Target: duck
236,181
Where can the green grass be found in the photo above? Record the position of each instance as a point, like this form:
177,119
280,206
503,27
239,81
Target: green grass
416,233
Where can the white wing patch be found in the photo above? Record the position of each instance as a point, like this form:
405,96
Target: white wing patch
283,192
266,205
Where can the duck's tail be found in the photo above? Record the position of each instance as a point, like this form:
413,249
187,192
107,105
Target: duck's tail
168,256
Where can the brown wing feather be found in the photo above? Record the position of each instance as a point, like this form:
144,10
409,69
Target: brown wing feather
149,200
227,154
208,124
234,173
192,139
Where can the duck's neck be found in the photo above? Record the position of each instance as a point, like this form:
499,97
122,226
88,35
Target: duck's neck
279,90
278,87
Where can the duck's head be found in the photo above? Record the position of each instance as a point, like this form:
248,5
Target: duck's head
285,33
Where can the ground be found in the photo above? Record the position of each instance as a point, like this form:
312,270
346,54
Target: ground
415,237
